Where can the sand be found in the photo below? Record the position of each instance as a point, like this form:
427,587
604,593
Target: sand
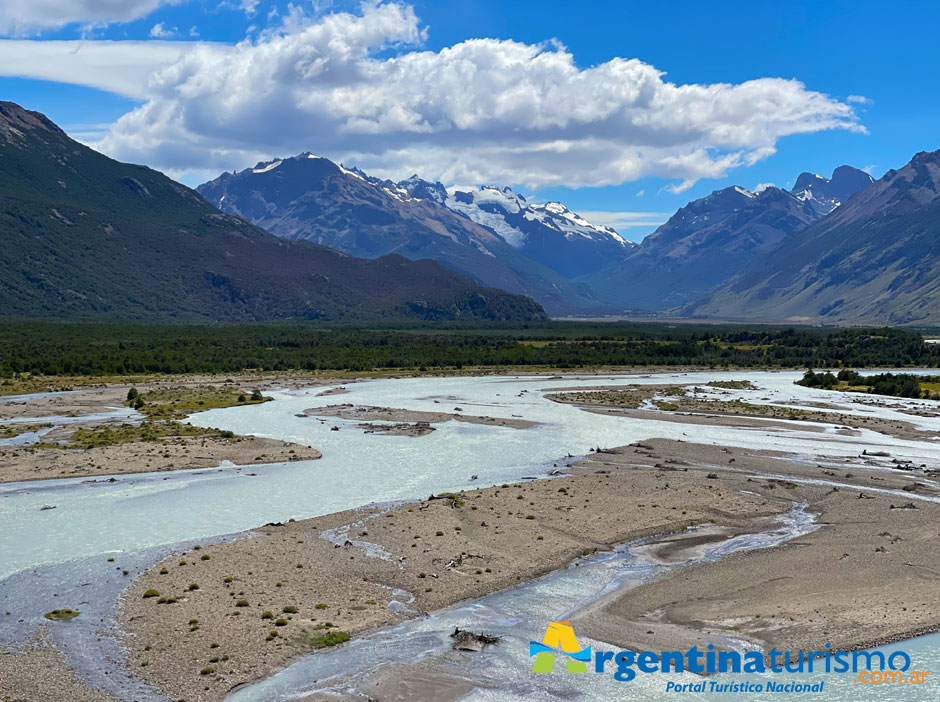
440,552
867,577
55,458
39,672
671,402
174,453
391,414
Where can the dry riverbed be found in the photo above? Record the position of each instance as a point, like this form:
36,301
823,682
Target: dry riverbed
269,599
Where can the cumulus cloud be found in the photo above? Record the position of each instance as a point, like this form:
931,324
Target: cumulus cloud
20,17
859,99
249,7
161,31
359,88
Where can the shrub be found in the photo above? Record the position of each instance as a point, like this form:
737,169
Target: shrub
289,609
241,603
267,615
333,638
280,622
194,586
58,615
208,670
151,593
319,606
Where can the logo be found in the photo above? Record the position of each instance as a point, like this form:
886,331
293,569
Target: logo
559,640
874,666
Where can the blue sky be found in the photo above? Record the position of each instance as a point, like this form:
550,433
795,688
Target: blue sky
868,97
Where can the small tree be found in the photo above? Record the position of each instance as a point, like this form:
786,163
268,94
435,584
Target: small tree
132,394
256,396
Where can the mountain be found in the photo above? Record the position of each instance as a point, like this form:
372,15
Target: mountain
83,236
713,238
310,198
875,258
551,234
826,194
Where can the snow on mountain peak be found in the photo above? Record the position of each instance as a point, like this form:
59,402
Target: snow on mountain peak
265,167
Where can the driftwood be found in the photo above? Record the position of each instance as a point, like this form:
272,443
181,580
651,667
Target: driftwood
468,641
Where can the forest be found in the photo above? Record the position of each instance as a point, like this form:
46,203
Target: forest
892,384
66,348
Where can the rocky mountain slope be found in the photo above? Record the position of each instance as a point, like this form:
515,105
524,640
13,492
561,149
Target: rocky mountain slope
875,258
310,198
713,238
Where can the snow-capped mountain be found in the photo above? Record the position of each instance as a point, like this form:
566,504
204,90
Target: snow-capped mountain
311,198
826,194
550,233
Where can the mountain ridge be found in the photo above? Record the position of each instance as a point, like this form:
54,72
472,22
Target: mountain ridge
712,238
84,236
875,258
306,197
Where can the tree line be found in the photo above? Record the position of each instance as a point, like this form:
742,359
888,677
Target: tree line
50,348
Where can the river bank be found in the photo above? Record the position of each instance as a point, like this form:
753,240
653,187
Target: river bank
98,432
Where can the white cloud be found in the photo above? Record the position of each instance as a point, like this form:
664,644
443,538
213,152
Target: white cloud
359,89
641,192
21,17
859,100
249,7
161,31
761,187
870,168
624,220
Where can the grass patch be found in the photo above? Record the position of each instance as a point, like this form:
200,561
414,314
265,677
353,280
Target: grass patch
332,638
12,431
180,402
61,615
98,437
